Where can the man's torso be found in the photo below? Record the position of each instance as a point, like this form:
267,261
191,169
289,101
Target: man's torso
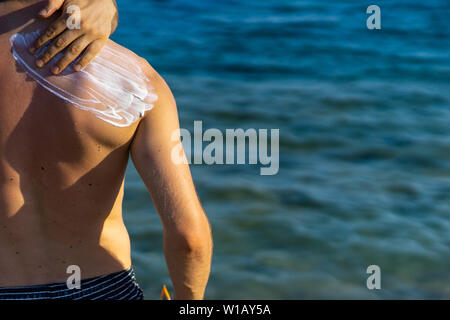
61,179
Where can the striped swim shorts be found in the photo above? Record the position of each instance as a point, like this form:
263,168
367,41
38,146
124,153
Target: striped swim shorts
115,286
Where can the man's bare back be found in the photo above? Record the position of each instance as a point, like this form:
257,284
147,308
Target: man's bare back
62,175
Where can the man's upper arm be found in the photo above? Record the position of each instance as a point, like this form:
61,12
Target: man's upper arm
170,184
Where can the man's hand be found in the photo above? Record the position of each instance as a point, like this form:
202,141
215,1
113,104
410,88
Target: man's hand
98,21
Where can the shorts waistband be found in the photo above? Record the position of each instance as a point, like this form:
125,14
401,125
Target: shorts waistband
120,285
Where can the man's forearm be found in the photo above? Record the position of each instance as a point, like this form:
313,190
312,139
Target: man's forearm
189,266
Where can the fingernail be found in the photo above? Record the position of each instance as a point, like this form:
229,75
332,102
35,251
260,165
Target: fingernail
43,12
40,63
77,67
55,70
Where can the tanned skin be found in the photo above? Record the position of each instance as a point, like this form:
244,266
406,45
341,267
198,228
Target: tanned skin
62,180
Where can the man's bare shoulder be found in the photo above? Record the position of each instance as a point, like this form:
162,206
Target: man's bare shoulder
118,86
156,84
165,98
114,86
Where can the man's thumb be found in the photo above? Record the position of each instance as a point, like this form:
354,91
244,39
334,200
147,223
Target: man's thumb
50,8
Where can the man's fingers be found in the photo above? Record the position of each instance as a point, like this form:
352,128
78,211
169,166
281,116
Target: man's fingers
52,31
50,8
58,45
72,52
90,53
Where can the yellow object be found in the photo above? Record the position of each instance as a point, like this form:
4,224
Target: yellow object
165,294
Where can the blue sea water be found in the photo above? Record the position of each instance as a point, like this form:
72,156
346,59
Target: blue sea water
364,125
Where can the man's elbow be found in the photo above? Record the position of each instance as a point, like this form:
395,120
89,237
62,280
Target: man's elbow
197,241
